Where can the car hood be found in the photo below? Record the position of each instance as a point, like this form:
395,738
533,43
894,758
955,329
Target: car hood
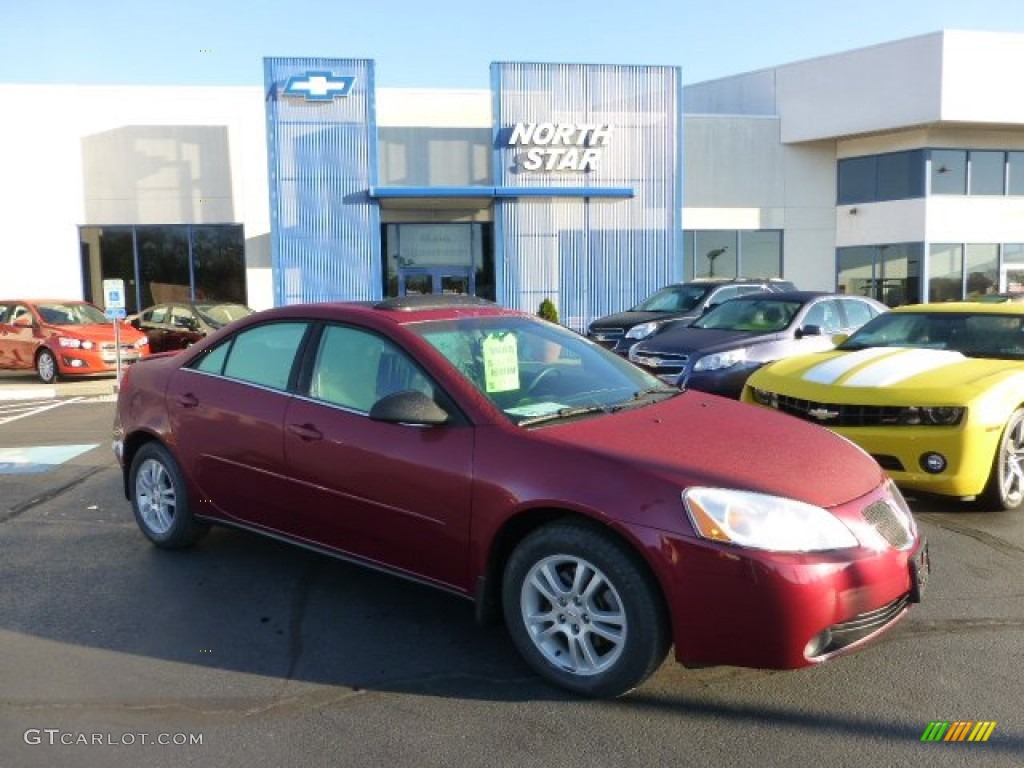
888,375
700,439
629,318
97,332
700,340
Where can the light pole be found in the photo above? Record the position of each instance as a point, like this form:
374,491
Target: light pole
712,255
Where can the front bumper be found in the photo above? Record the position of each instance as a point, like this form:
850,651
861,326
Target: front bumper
766,610
968,451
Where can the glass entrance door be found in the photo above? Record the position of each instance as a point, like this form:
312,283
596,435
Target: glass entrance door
436,280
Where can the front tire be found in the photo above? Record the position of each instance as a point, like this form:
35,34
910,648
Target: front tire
1005,489
584,611
46,367
160,500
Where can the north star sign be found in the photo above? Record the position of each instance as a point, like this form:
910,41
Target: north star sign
560,146
319,86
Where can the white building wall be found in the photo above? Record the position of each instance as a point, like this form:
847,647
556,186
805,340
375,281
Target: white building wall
738,175
108,155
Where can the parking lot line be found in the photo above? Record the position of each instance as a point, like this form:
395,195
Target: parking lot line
31,411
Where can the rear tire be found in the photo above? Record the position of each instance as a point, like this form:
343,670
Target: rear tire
1005,488
160,500
584,611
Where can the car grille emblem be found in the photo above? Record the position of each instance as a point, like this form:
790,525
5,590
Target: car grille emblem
822,414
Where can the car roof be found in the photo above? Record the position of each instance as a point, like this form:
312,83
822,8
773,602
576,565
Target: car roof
403,309
964,307
801,296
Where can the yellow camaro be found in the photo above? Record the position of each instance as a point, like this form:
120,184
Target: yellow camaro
934,392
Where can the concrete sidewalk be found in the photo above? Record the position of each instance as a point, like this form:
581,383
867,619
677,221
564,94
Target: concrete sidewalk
26,386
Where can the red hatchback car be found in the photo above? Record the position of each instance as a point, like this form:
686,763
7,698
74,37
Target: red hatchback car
60,337
606,516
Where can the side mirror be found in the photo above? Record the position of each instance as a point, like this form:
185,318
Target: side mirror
809,330
409,407
23,321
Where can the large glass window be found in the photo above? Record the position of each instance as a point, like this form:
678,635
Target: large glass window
982,268
890,273
715,254
945,272
218,263
175,262
1013,267
732,253
892,176
1015,173
987,172
948,172
443,258
857,180
761,253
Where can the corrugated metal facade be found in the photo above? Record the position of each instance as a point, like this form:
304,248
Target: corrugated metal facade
325,230
592,257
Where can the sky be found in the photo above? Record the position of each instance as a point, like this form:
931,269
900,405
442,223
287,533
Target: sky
451,43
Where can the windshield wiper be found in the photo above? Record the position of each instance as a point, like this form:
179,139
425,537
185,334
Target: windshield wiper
568,413
641,394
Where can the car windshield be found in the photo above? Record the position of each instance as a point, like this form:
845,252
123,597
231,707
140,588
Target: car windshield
71,313
674,298
974,335
535,371
760,315
222,314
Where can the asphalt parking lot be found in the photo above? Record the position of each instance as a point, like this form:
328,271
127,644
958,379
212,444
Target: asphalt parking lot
246,652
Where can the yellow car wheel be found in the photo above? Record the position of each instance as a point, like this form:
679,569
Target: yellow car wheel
1005,489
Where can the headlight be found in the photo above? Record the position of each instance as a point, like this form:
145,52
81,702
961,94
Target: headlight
642,331
142,342
721,360
759,521
66,341
928,416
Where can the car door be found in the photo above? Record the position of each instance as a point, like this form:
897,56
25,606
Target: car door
226,414
5,331
19,338
393,494
824,314
183,328
153,323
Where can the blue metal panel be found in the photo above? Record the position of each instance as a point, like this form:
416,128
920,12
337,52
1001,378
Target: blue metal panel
591,255
322,137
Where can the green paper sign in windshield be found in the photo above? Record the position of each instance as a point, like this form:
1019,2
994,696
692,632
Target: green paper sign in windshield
501,363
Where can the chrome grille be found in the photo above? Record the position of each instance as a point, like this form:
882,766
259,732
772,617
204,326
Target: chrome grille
890,524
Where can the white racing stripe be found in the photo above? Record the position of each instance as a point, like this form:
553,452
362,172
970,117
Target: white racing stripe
881,366
829,371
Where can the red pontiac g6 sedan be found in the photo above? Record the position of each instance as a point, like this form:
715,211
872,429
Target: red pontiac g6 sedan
605,516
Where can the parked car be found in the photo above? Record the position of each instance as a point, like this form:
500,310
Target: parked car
437,438
720,350
59,337
680,303
178,325
935,392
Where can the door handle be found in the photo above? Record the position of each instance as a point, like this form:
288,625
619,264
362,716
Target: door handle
306,432
188,400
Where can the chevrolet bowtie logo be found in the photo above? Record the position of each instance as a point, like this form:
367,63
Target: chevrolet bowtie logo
822,414
319,86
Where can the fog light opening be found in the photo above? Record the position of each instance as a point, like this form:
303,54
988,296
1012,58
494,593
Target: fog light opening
933,463
817,644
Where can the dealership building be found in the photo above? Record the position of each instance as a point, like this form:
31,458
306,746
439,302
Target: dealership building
895,171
